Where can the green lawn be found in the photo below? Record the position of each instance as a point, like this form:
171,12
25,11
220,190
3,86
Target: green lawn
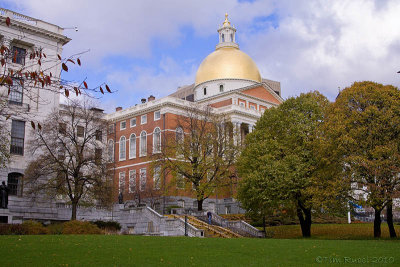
331,231
113,250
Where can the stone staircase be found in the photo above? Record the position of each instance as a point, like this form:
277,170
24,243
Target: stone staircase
209,230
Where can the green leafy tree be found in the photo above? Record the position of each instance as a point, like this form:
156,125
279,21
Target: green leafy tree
362,133
279,164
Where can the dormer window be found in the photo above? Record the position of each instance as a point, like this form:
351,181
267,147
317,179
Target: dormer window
205,90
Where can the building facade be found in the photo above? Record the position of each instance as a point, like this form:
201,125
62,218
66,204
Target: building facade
229,82
25,41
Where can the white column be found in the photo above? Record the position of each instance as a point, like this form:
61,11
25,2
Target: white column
251,128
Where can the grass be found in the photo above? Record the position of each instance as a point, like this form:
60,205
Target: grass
331,231
113,250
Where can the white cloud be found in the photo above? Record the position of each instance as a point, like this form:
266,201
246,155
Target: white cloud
326,45
318,45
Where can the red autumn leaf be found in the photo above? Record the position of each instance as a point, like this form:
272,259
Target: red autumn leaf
21,82
51,75
101,90
11,72
8,21
33,125
9,81
59,57
66,93
70,60
64,66
76,91
39,126
44,55
108,88
39,62
3,62
79,61
85,84
9,90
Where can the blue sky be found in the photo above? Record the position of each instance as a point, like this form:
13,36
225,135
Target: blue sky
145,47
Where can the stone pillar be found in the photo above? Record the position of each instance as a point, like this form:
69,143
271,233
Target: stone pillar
251,128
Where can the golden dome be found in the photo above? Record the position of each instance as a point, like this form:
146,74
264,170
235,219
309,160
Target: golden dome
225,63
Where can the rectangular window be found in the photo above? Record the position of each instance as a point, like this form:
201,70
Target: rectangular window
180,181
157,115
111,128
157,177
18,55
80,131
99,135
17,137
121,184
123,125
142,185
132,181
143,119
16,92
62,128
97,155
242,104
252,107
133,122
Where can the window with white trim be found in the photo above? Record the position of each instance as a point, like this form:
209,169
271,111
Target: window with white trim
122,125
16,92
133,122
242,104
157,177
157,115
142,184
180,181
252,107
143,144
132,181
122,148
110,150
157,140
121,184
143,119
132,146
17,137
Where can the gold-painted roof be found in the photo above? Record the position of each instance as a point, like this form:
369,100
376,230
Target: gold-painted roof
226,22
225,63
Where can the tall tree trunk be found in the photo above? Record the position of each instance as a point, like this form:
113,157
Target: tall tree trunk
74,207
264,226
389,219
305,223
200,204
377,223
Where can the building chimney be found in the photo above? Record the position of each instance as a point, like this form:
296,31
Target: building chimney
151,98
143,100
118,108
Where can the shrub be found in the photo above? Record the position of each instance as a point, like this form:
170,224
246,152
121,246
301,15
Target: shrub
34,228
108,225
13,229
80,228
55,228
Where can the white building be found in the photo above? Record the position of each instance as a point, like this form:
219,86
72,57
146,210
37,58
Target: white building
26,101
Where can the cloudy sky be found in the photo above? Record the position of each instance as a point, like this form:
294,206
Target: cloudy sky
144,47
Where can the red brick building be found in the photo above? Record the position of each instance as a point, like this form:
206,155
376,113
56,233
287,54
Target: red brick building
229,81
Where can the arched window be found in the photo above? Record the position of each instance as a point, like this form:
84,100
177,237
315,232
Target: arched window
157,140
14,183
122,148
132,146
223,38
221,88
205,90
143,144
110,150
